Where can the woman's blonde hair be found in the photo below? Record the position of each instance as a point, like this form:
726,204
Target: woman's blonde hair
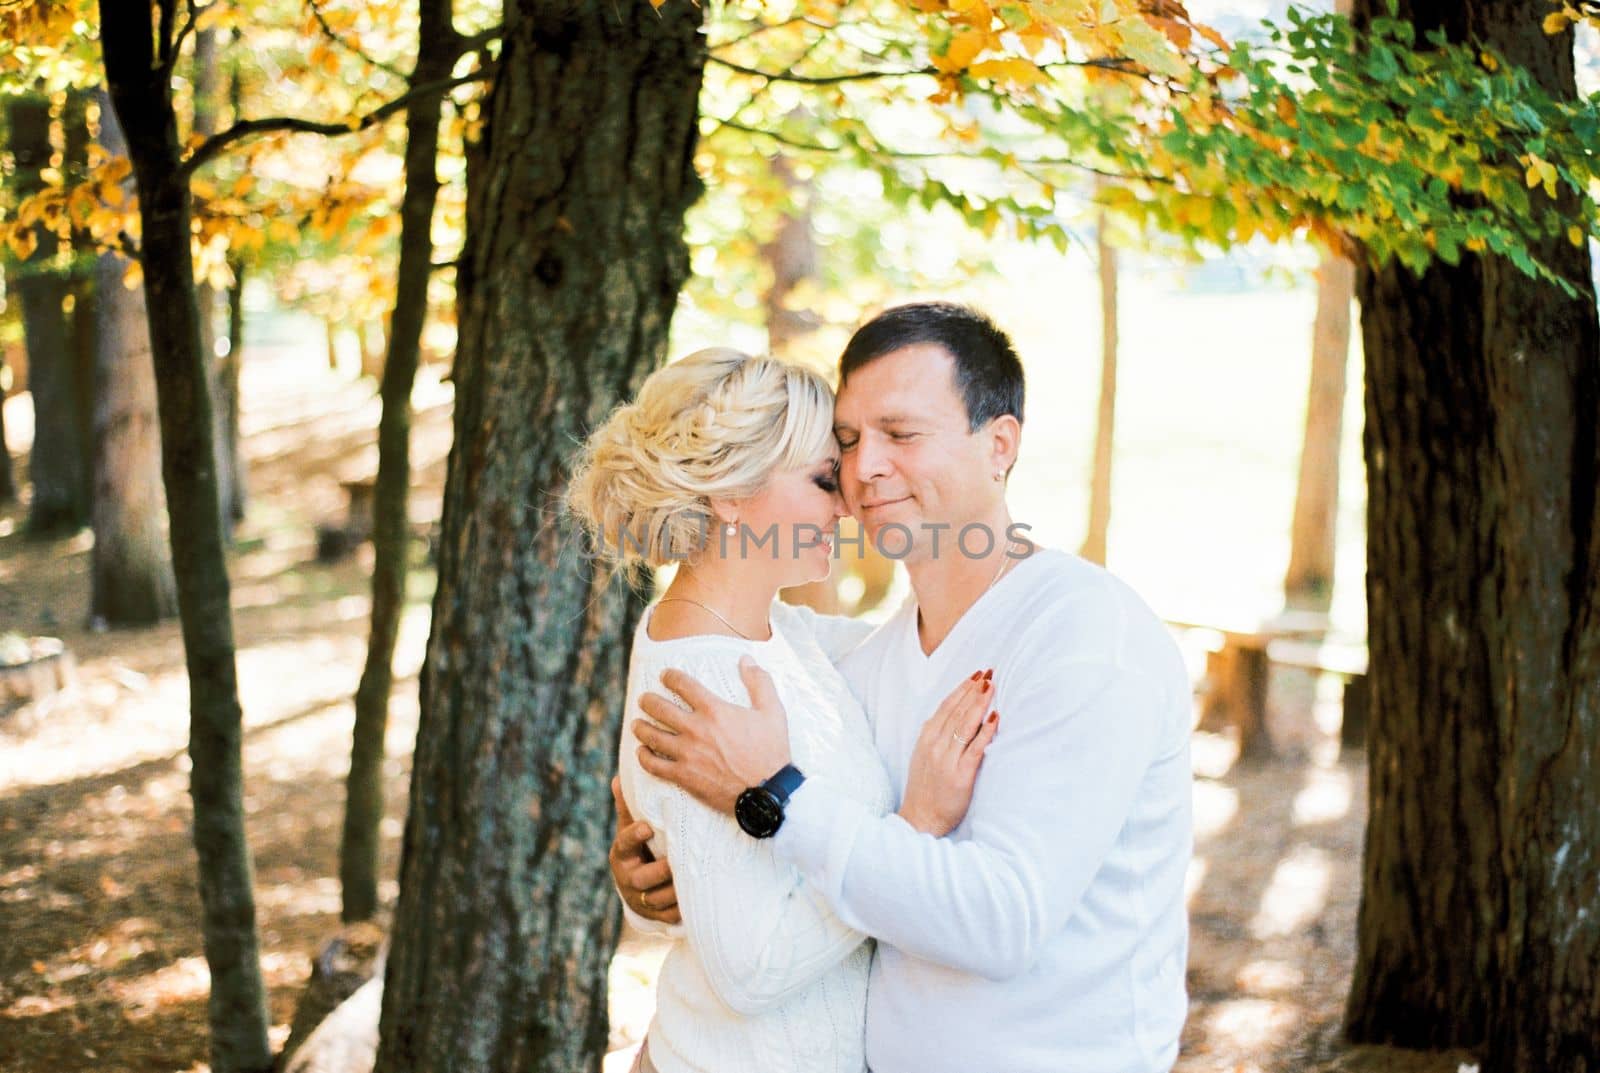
716,424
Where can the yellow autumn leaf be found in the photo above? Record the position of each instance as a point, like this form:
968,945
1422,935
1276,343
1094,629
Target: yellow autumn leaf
1556,22
964,48
280,229
23,241
1488,60
1575,236
1018,71
133,275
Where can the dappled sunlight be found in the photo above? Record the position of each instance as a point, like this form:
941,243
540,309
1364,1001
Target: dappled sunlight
1250,1025
1296,895
1215,806
1325,798
1269,976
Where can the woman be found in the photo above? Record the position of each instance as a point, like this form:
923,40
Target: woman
719,454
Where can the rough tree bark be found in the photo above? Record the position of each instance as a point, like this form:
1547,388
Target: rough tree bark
1105,435
130,567
438,47
56,465
506,924
1308,583
138,46
1478,923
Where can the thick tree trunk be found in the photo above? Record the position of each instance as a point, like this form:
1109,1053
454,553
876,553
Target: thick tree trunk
1478,922
391,539
139,83
56,465
131,582
1308,584
506,922
1105,436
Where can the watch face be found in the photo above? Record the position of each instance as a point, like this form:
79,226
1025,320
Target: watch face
758,812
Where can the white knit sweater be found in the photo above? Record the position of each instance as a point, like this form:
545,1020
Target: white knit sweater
763,977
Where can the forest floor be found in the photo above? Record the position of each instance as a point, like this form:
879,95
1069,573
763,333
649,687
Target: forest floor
101,966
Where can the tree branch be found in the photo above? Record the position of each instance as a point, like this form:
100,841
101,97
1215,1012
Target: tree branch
349,46
822,80
249,128
1022,163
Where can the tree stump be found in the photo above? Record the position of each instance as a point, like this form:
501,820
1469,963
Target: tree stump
31,669
347,962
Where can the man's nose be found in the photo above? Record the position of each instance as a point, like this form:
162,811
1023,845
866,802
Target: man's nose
870,460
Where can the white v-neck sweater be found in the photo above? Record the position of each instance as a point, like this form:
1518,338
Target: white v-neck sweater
1047,933
764,976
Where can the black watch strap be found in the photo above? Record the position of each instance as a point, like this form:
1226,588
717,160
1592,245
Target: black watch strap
785,783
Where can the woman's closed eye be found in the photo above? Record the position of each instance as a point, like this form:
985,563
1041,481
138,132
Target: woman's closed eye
827,482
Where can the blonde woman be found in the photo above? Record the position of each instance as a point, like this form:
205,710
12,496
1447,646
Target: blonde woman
727,464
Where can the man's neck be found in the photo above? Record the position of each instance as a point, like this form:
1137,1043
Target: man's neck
948,584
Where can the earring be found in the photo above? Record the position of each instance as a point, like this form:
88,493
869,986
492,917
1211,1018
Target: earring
999,476
731,529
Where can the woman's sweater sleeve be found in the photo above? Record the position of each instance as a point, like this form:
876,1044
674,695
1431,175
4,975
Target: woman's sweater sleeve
756,926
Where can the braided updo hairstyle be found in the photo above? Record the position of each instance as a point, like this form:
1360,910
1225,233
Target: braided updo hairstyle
716,424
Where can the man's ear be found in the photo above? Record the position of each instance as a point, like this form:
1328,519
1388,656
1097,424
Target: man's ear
1005,440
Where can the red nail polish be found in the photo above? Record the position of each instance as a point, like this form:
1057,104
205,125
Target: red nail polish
988,674
985,687
975,676
994,717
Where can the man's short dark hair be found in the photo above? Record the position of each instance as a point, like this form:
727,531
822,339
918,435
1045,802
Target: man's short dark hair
987,370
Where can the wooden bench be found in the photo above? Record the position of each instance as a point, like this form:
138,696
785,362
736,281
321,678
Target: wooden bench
1239,663
1349,662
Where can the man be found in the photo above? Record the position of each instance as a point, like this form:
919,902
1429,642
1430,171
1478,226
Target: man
1047,932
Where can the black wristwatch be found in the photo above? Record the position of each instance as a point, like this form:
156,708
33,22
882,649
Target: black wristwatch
759,809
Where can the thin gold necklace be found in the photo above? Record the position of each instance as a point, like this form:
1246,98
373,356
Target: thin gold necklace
709,608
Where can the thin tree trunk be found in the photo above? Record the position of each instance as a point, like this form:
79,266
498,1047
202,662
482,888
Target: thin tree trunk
138,78
1308,584
575,256
56,465
232,364
85,257
1478,922
8,485
1105,433
131,582
207,101
391,540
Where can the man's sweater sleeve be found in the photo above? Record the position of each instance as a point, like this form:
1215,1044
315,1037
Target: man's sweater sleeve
1056,788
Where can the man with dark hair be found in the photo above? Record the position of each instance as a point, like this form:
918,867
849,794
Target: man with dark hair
1047,930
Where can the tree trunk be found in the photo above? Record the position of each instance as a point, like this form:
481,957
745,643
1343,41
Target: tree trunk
131,582
8,484
232,364
1308,585
56,465
506,921
1094,543
391,539
85,258
207,98
138,77
1478,922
